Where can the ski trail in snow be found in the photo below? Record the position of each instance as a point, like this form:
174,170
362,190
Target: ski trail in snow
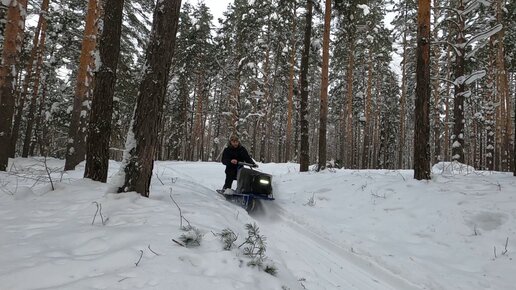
349,271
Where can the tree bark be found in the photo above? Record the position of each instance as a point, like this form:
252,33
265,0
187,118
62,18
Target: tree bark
323,119
422,117
139,162
76,146
99,129
304,158
13,36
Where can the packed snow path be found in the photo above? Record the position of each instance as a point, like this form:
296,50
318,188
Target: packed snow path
339,229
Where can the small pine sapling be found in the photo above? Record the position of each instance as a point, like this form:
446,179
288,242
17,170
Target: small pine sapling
228,237
271,269
255,247
191,238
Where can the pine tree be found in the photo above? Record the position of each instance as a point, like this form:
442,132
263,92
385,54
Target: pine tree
99,131
28,76
324,88
403,23
76,148
422,124
142,137
304,158
13,35
38,60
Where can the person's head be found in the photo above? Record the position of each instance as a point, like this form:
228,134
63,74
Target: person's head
234,141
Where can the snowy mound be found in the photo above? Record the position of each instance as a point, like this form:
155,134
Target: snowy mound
452,168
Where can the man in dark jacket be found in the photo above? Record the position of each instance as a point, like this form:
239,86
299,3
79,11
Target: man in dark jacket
231,155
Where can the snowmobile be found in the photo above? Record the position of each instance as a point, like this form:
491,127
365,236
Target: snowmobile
252,185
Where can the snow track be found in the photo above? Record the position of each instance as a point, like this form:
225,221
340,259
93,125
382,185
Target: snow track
321,263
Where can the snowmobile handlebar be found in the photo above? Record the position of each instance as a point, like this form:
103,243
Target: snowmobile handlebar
247,164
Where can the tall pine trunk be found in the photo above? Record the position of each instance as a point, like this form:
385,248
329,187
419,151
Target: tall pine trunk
323,118
13,36
446,154
28,78
490,108
503,89
403,98
143,134
367,114
304,158
436,152
422,117
290,98
99,129
31,116
458,102
76,146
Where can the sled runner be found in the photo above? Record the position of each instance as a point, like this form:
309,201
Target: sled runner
252,185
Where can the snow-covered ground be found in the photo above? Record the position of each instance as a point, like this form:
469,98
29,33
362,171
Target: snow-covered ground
341,229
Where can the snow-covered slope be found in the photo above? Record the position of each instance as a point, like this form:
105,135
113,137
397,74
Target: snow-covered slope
340,229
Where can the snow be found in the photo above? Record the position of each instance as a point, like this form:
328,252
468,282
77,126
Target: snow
456,144
97,60
473,77
365,8
364,229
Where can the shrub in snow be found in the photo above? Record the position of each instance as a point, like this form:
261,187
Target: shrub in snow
255,248
452,168
192,238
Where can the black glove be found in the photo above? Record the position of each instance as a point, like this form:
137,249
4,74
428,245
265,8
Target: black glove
255,165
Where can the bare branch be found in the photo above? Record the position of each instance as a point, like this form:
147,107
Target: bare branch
181,244
181,217
153,251
99,210
506,243
141,255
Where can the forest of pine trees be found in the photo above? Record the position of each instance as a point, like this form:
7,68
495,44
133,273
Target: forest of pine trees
327,82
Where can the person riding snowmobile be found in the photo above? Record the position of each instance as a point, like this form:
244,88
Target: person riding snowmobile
231,155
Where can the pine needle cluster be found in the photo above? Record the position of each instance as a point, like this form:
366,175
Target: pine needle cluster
192,238
228,237
255,247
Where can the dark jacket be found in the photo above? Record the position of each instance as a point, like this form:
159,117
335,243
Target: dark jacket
239,153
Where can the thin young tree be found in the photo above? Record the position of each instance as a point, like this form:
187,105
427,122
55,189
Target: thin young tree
99,129
13,35
422,111
323,118
76,146
143,132
304,158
